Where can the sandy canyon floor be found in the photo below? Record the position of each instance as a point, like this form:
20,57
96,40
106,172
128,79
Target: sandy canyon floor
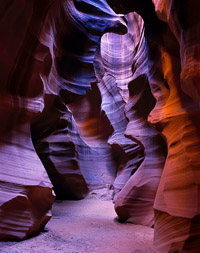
85,226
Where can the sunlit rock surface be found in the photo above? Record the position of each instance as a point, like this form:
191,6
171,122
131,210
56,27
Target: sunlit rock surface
126,64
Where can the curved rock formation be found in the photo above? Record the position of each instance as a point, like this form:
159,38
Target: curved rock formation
125,59
26,192
184,22
89,103
127,154
176,117
55,138
72,33
50,64
95,129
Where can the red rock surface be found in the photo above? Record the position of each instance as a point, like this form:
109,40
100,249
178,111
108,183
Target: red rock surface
183,20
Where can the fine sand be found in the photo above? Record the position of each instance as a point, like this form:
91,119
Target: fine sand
85,226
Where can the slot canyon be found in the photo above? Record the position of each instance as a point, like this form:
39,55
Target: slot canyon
100,122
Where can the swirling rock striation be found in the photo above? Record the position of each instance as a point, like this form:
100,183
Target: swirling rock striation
26,192
73,143
124,58
55,138
87,101
127,153
183,20
49,64
176,117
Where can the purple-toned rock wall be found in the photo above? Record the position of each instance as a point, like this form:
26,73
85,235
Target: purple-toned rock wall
101,95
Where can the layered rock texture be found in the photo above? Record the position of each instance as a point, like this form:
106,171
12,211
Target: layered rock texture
172,77
47,52
186,30
26,192
93,100
121,55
